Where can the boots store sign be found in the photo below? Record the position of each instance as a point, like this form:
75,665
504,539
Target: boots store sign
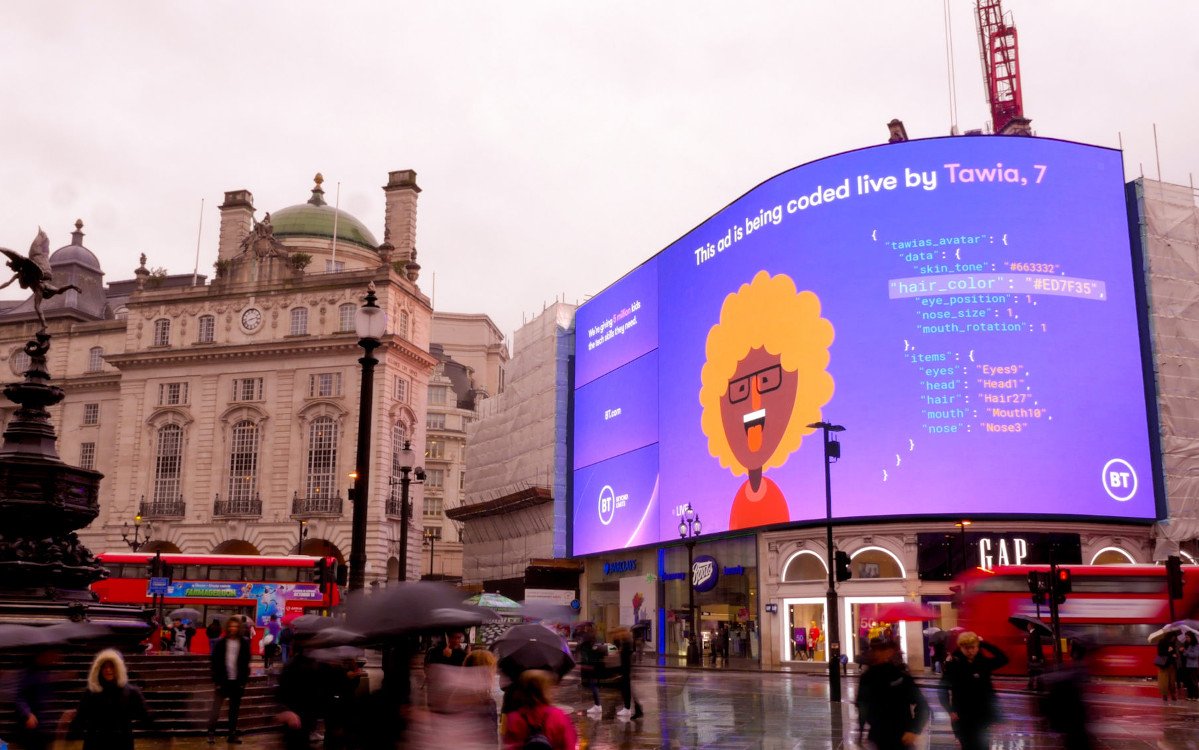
942,556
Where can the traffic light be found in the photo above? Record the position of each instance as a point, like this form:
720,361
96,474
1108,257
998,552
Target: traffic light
322,573
1062,585
955,600
1174,578
339,573
843,571
1038,586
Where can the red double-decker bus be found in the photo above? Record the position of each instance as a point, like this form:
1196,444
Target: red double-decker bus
221,585
1114,608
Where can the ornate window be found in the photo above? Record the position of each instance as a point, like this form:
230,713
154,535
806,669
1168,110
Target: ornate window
402,389
95,359
299,321
247,389
345,317
404,325
162,332
172,394
19,361
324,385
91,414
243,465
322,458
168,464
399,433
207,329
87,455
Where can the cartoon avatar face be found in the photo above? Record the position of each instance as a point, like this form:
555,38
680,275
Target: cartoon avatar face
757,407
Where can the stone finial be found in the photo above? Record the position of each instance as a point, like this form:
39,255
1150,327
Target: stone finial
77,235
141,273
318,193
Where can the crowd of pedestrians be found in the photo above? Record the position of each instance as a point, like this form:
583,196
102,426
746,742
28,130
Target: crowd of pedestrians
1177,663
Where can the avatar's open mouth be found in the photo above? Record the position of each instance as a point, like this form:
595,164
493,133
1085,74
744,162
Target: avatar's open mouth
754,423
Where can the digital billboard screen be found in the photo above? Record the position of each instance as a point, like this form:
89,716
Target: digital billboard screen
965,307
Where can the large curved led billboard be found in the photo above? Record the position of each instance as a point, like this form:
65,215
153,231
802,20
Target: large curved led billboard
965,307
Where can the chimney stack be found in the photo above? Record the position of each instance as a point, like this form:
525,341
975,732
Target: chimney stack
399,221
237,219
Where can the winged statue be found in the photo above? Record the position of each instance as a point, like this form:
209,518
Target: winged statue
33,273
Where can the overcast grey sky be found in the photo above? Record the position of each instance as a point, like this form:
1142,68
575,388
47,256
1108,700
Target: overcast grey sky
558,143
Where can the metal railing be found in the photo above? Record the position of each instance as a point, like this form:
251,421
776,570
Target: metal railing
315,506
394,507
162,508
242,507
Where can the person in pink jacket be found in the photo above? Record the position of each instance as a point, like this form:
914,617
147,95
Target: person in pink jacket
536,716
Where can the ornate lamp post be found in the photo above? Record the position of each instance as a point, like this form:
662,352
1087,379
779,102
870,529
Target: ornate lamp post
832,451
407,465
689,529
431,539
371,325
138,541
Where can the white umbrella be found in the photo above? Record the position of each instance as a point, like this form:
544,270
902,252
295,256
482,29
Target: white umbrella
932,631
1182,626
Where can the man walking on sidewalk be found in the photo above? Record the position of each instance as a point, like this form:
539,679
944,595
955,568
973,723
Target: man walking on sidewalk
230,662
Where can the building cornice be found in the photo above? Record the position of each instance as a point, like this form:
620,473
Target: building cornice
346,344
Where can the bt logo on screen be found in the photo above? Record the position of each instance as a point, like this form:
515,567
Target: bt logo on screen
609,501
1119,480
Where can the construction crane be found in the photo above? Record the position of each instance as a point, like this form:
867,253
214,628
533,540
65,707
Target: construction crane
1001,67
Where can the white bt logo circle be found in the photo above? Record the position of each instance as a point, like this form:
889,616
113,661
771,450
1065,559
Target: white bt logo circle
607,505
1119,480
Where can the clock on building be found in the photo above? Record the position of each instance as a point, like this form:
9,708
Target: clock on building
251,319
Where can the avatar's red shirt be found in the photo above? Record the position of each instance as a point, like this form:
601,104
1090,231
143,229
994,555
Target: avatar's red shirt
766,506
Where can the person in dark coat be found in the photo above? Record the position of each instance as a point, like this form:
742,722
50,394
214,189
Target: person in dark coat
591,666
450,652
889,702
109,706
1035,652
35,694
230,665
624,641
1063,701
967,692
303,692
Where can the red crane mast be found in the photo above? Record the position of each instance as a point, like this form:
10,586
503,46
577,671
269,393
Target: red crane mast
1001,64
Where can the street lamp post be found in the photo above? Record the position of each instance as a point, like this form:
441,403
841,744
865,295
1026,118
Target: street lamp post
689,529
303,534
138,541
832,451
431,539
371,324
407,461
962,527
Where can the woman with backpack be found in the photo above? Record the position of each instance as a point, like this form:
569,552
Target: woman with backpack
537,724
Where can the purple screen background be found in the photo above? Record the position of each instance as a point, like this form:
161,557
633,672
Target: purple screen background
1080,358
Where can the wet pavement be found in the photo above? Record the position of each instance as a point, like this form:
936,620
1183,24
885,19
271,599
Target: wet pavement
772,711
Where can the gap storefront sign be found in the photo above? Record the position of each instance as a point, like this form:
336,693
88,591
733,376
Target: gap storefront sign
940,557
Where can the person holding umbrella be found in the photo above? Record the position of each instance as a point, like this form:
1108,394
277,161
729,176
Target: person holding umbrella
451,652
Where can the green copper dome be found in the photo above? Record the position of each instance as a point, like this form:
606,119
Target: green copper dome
315,219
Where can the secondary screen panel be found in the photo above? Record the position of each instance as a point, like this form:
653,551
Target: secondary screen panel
963,306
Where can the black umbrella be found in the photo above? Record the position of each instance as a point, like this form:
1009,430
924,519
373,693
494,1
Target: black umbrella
526,647
1023,621
333,637
306,626
412,607
52,636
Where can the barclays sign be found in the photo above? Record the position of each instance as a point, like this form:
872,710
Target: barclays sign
620,566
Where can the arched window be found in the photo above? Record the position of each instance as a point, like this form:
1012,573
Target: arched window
299,321
804,566
207,329
162,332
95,358
875,562
243,466
322,458
168,465
345,317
